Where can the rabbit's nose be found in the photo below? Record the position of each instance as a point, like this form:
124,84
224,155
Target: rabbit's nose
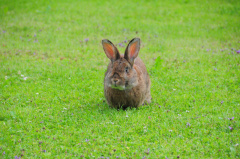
115,80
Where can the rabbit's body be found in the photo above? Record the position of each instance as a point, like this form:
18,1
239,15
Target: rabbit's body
126,82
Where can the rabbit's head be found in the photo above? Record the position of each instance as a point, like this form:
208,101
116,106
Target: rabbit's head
121,73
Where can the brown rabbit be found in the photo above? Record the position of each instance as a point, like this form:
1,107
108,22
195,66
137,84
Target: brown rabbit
126,82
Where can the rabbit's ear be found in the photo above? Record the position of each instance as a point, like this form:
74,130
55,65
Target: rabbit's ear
132,50
110,50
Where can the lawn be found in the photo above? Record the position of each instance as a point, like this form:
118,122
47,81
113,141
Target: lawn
52,67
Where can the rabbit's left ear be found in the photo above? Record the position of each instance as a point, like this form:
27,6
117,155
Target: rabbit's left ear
132,50
110,50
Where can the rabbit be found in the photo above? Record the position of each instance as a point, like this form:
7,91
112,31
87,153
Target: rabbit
126,82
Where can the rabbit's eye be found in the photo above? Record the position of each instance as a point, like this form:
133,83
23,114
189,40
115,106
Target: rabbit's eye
126,69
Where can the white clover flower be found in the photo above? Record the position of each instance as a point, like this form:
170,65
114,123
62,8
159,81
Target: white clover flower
6,77
25,78
22,75
145,129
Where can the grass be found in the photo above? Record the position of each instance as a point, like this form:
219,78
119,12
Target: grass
59,111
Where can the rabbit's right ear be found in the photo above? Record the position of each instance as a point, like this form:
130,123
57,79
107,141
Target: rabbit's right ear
132,50
110,50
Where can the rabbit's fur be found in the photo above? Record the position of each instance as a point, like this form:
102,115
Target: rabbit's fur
126,82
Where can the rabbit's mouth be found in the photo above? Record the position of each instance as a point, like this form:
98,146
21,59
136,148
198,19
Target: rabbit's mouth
121,87
118,87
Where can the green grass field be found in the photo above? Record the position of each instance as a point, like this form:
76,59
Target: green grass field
52,68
